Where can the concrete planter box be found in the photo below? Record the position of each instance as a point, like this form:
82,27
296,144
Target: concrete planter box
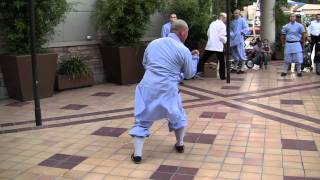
64,82
17,74
123,65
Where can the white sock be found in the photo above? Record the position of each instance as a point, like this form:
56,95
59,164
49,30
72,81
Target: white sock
179,136
138,146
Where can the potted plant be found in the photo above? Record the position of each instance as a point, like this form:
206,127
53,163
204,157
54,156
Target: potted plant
15,60
123,23
281,20
73,72
198,16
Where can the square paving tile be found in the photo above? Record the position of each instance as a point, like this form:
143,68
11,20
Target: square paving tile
199,138
103,94
109,131
292,102
305,145
231,87
166,172
62,161
18,104
74,107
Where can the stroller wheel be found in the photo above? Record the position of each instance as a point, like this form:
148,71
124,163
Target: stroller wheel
250,64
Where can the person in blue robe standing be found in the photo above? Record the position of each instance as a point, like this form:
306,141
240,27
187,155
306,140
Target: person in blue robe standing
239,28
293,40
157,95
166,28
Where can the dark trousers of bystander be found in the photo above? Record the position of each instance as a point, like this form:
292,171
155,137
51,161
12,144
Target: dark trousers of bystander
207,54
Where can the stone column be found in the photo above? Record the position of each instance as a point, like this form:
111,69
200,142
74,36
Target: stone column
268,23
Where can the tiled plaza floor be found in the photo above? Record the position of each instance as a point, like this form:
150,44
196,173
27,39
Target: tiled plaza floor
261,126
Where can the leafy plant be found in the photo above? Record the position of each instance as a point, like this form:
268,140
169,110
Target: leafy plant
14,23
281,20
197,14
124,22
74,66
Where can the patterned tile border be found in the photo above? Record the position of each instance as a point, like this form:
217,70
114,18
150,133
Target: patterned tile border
18,104
272,117
102,94
199,98
249,92
74,106
289,113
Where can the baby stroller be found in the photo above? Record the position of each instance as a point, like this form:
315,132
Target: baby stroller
307,62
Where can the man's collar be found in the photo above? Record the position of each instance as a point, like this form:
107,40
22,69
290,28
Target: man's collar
175,37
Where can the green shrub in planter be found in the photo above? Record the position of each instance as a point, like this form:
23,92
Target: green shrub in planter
15,28
74,66
124,22
197,14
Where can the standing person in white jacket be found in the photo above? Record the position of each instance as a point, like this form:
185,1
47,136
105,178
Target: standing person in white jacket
217,37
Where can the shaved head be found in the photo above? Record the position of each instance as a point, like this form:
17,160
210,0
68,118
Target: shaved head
181,29
177,25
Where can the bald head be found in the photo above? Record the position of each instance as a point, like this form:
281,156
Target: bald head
178,25
236,13
180,28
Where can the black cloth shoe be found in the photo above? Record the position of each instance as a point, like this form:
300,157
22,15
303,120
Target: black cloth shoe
283,74
299,74
136,159
179,149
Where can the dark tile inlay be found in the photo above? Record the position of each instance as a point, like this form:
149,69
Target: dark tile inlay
62,161
199,138
207,115
167,169
18,104
285,80
293,102
103,94
74,107
217,115
166,172
182,177
109,131
298,144
187,171
161,176
231,87
299,178
237,79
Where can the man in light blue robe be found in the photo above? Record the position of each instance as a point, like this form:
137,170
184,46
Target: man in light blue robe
239,27
166,28
293,52
157,95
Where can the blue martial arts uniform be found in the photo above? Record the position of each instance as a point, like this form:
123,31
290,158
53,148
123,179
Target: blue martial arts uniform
166,28
293,50
157,95
239,27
